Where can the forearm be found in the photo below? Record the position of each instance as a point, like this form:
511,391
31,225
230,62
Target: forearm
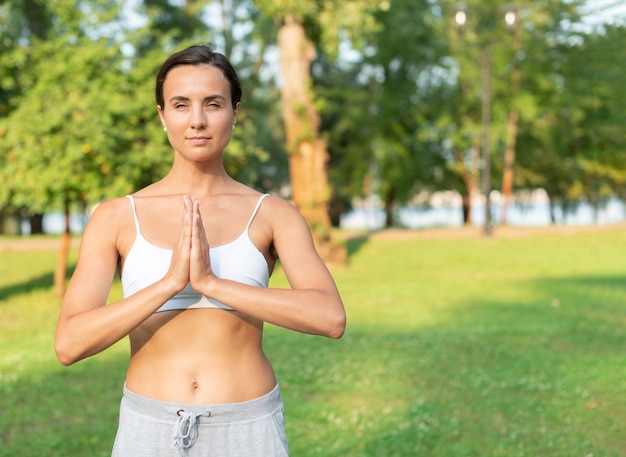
91,331
314,311
312,305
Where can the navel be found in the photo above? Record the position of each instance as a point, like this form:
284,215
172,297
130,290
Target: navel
194,383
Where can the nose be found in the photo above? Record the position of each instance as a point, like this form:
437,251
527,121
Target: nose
198,119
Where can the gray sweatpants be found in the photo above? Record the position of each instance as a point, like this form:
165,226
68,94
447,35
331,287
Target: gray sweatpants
154,428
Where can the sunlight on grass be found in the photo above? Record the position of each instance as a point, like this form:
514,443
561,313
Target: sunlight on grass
454,347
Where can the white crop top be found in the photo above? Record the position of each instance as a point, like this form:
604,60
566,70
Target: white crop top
239,260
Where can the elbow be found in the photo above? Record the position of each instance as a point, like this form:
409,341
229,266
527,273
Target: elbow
337,326
64,354
64,358
66,362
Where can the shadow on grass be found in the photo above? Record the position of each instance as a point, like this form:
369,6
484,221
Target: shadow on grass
492,378
355,243
579,284
63,411
42,282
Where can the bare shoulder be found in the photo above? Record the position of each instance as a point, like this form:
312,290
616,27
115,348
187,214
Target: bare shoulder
283,213
290,231
108,220
279,204
111,211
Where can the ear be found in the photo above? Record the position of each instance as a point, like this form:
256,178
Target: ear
160,111
236,112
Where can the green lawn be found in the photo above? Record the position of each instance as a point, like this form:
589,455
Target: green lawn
454,347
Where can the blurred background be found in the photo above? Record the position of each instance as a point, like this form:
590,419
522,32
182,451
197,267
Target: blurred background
465,118
419,113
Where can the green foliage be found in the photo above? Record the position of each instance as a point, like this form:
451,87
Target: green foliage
78,120
398,90
405,115
67,88
574,146
328,23
381,106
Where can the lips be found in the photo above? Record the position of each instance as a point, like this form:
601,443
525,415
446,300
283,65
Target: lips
198,139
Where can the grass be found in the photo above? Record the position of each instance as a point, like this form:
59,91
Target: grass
455,347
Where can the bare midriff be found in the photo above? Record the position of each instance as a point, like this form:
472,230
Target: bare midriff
204,356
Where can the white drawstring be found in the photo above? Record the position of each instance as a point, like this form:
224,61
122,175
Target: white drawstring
186,428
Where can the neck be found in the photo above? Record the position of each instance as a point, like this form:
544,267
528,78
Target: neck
196,179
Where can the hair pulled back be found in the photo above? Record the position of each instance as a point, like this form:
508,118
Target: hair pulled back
199,55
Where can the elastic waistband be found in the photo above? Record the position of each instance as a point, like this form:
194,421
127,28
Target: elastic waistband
218,413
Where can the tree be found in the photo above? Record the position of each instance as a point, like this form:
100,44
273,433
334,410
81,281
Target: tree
97,134
42,166
19,20
575,148
302,26
256,154
524,69
405,74
307,150
389,118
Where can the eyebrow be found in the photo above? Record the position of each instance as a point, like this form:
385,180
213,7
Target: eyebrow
205,99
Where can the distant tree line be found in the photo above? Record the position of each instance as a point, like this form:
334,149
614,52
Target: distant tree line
389,102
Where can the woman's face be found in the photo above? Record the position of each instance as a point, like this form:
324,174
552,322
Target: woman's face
197,111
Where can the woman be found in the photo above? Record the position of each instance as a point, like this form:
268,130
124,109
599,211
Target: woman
195,251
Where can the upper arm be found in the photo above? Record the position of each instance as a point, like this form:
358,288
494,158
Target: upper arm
296,250
97,261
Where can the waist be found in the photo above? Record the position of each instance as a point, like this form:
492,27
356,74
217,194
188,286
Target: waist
194,382
219,412
199,356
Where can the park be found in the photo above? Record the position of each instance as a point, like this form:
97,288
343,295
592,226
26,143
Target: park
473,332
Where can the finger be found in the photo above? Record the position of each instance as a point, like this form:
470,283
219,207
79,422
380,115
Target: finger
199,226
185,226
179,266
200,268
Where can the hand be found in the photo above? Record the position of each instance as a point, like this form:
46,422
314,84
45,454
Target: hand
200,272
178,272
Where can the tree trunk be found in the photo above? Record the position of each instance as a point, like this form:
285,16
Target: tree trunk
389,204
61,269
36,224
307,151
35,16
511,131
509,162
227,26
470,178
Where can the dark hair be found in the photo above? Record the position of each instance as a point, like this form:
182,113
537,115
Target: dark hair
199,55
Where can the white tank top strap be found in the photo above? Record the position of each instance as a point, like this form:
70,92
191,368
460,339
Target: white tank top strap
256,209
132,204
